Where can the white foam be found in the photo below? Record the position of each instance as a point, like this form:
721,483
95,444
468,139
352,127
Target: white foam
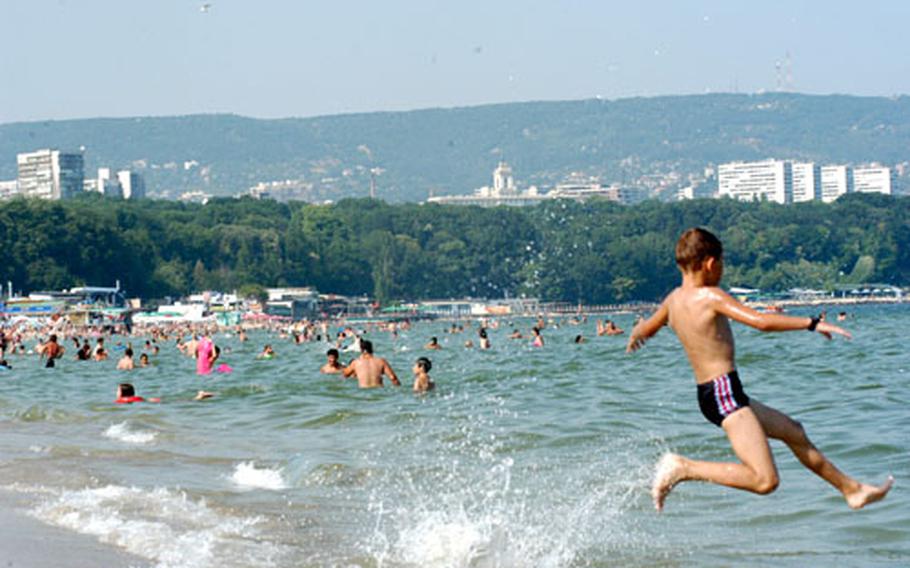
247,475
442,542
161,525
465,518
122,432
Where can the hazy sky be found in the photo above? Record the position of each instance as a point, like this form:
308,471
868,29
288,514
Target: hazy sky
278,58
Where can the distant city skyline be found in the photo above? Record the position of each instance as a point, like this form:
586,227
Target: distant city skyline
65,59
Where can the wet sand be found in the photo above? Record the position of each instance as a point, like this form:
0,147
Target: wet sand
28,543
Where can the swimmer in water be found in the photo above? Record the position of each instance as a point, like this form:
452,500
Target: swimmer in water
422,380
433,344
538,339
369,369
205,354
267,353
699,312
84,353
126,394
126,362
52,351
484,338
332,366
144,360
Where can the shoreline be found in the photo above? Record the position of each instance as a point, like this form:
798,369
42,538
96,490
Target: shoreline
27,542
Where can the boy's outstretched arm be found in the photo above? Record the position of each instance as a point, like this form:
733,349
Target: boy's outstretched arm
730,307
647,328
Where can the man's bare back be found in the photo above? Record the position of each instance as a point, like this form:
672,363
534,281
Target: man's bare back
369,371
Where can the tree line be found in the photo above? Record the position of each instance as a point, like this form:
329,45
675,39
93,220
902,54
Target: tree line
596,252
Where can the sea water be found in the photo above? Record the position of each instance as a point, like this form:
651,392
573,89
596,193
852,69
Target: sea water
522,456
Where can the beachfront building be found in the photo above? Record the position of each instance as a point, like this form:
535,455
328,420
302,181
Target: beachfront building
836,181
695,191
9,189
195,197
768,180
807,181
873,179
504,191
50,174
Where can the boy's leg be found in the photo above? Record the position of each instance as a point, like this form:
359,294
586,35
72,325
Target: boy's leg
779,426
756,473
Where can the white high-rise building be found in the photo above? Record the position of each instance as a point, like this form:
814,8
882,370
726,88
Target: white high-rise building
131,184
50,174
768,180
108,183
807,181
836,181
873,179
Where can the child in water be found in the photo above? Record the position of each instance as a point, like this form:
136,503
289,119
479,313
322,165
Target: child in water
422,381
538,339
699,312
332,366
267,353
126,394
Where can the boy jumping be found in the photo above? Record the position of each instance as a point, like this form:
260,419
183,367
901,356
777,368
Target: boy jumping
699,313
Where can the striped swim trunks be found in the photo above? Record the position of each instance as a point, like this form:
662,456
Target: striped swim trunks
721,397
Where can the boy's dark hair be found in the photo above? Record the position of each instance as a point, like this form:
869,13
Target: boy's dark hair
128,352
424,364
366,346
695,246
331,352
127,389
54,337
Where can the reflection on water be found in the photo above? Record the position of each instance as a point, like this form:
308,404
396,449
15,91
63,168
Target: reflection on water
521,457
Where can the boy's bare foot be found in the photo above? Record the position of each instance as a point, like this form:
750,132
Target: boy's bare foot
869,494
666,475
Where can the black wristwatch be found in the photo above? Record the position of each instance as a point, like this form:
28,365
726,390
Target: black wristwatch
814,323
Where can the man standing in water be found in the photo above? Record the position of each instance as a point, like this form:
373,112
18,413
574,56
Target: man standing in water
700,313
51,351
369,369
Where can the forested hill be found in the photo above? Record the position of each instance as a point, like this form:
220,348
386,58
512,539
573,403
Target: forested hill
454,150
597,252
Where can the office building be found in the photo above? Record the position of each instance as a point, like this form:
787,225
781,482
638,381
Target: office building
50,174
768,180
